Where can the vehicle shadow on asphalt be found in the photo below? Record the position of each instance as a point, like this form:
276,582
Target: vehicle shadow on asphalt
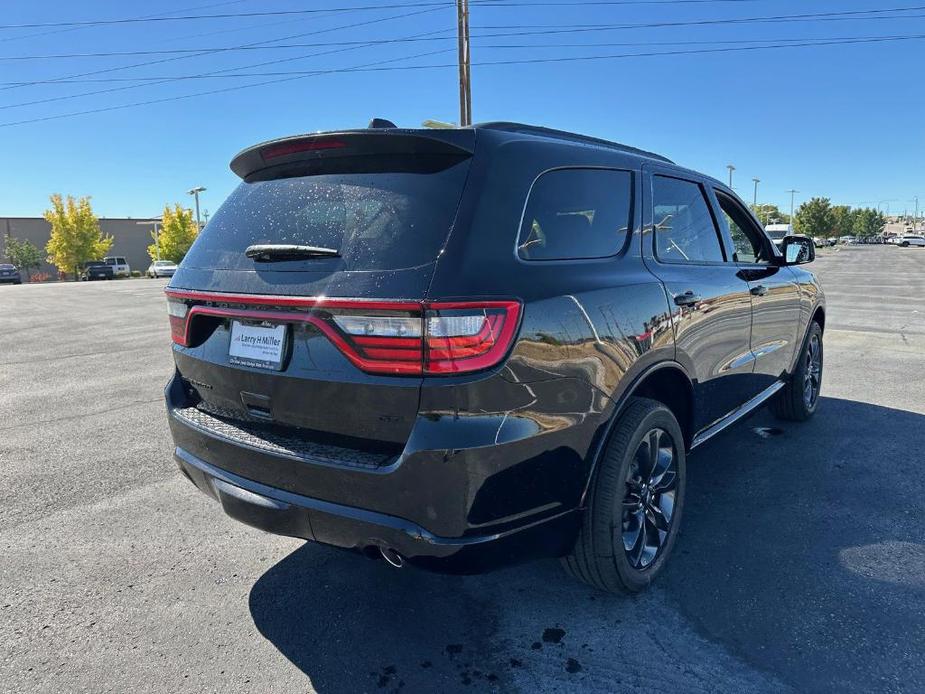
801,554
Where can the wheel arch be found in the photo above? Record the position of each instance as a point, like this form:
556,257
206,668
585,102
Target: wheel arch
818,317
668,383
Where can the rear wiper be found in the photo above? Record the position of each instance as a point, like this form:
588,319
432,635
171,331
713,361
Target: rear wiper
271,252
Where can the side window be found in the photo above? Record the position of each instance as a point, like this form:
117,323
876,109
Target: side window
685,231
749,246
577,213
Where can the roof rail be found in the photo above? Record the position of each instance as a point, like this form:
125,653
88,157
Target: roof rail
541,131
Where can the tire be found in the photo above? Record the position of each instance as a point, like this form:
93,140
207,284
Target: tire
599,557
799,399
905,244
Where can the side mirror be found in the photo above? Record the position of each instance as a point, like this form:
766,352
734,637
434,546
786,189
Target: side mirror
798,250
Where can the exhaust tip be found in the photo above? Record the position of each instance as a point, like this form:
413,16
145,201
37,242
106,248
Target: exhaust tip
392,557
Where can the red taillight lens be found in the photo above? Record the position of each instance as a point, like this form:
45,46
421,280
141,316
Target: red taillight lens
384,337
449,338
462,337
296,146
178,311
388,343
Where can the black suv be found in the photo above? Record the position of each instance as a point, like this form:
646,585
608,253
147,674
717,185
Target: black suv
464,348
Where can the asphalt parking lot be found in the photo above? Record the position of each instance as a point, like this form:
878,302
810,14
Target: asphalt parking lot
801,564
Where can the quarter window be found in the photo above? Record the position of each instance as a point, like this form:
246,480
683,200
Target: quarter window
577,213
749,247
685,231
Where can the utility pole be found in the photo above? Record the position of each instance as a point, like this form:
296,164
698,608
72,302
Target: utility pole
792,194
757,181
195,193
915,220
731,169
465,85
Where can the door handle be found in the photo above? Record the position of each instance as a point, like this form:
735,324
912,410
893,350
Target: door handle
759,290
688,298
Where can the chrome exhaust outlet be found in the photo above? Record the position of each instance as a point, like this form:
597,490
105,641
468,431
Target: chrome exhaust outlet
392,557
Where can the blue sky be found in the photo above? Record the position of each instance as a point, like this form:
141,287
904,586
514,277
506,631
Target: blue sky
842,121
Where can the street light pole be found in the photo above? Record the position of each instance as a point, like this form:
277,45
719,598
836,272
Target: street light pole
195,193
792,194
757,181
731,169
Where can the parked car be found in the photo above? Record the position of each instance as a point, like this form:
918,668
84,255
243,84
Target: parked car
778,232
162,268
10,274
912,240
96,270
120,266
465,348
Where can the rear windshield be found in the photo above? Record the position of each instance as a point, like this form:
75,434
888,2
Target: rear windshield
385,219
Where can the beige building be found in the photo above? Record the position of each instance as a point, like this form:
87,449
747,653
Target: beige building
130,239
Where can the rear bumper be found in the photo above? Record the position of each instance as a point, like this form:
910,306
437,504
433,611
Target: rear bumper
284,513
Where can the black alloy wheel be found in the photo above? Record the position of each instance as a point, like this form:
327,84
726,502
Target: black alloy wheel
633,511
812,375
798,399
648,507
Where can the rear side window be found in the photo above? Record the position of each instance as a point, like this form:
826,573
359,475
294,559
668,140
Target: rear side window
378,218
685,231
577,213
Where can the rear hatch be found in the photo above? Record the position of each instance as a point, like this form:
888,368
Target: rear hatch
318,353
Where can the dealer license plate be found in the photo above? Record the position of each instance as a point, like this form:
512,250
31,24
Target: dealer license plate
259,345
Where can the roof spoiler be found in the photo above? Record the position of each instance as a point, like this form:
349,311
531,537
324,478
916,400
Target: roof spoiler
352,143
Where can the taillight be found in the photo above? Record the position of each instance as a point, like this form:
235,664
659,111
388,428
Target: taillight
387,341
463,337
383,337
447,338
178,312
295,146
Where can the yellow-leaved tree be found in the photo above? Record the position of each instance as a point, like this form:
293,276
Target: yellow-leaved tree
175,236
75,234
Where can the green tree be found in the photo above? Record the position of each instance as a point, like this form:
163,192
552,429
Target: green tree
770,214
868,222
75,234
814,218
175,236
23,254
843,218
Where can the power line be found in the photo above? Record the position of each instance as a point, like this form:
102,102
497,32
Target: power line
212,51
576,28
427,37
355,8
378,66
215,73
147,16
